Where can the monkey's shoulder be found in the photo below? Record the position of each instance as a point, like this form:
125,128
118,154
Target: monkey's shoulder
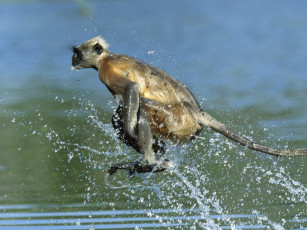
116,67
113,70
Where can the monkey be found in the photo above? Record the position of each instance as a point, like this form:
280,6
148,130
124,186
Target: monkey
154,107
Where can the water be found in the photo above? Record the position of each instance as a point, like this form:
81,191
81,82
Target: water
245,63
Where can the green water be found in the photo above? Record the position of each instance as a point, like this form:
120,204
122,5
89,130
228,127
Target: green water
57,142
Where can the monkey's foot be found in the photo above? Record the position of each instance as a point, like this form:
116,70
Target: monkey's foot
137,166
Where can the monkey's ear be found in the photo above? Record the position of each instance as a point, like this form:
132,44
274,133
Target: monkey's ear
98,48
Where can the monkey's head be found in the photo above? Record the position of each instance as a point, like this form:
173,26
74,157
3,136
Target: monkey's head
88,54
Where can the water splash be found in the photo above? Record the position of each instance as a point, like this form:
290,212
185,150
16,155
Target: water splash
297,191
187,188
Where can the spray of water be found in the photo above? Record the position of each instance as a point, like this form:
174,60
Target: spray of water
186,189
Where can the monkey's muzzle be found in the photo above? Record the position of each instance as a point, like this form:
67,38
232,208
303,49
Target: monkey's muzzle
77,58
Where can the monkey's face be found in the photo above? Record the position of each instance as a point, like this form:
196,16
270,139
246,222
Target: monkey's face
88,54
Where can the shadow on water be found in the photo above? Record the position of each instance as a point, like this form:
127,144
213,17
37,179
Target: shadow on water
57,142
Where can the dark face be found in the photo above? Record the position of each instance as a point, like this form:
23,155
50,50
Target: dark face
77,57
89,53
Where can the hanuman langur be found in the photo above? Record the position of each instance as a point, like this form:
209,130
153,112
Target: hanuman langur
154,107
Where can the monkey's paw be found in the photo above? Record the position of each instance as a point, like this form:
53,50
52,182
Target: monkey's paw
137,166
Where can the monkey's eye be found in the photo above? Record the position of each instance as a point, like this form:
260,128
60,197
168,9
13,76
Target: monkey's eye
98,48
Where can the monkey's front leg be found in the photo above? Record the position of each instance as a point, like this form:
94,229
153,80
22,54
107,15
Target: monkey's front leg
143,136
126,121
131,107
149,161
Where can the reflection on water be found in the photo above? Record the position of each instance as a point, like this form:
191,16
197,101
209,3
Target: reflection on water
247,59
109,219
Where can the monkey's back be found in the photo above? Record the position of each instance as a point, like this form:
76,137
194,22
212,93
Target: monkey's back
153,83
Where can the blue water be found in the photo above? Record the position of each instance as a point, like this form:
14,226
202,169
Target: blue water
245,62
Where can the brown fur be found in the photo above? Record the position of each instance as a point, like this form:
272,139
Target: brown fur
165,97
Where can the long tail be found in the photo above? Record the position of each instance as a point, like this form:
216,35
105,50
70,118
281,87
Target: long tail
206,120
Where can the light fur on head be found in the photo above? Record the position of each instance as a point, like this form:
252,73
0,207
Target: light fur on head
85,55
100,40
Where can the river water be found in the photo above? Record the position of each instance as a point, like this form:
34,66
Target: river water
245,62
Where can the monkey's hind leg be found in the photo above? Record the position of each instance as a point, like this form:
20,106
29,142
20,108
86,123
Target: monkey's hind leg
148,163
